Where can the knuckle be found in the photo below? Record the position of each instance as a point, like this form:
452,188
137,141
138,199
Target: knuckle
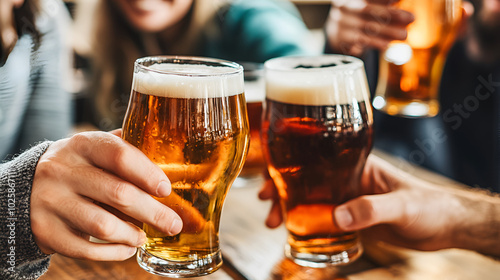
410,212
367,210
161,217
373,28
49,168
46,191
119,155
102,228
81,143
42,198
121,195
79,139
154,177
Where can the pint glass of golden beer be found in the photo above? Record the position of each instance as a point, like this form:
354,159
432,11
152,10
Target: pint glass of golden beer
317,134
410,71
188,115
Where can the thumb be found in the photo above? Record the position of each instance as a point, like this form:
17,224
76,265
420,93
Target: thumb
467,13
117,132
369,210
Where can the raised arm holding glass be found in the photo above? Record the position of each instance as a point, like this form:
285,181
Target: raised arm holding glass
457,142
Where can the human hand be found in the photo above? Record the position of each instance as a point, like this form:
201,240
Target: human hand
401,209
355,25
96,184
395,207
270,192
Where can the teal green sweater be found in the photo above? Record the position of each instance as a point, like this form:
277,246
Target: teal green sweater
256,31
241,31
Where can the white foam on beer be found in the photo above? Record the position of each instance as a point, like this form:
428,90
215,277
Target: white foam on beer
188,81
255,91
335,85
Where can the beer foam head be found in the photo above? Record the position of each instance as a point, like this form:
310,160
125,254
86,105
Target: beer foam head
171,79
316,80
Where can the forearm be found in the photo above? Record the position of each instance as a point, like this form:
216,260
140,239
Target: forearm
479,227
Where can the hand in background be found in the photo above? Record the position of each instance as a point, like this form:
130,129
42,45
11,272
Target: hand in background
96,184
355,25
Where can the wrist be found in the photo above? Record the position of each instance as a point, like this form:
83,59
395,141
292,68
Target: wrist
478,227
16,178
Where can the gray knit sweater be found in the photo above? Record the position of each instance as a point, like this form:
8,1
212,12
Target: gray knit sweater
33,107
20,256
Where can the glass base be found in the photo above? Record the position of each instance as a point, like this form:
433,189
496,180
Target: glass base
249,180
410,109
179,269
324,259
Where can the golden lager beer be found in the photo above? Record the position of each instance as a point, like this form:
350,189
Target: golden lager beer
410,71
188,115
317,134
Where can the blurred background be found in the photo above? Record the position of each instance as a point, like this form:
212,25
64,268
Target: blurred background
313,12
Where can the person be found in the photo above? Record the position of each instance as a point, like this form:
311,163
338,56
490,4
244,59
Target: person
120,31
461,142
57,194
40,108
401,209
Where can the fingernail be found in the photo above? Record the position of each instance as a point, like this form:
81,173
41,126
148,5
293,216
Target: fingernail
402,35
343,217
164,189
131,251
407,16
176,226
142,238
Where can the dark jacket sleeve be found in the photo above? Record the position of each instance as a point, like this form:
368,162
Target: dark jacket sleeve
20,256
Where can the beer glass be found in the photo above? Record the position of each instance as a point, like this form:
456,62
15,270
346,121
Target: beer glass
255,95
410,71
188,115
317,134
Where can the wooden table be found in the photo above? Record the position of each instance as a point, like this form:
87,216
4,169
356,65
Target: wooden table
252,251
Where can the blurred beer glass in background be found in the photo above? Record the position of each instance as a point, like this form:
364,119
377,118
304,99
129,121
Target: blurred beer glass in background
188,115
317,134
410,71
255,95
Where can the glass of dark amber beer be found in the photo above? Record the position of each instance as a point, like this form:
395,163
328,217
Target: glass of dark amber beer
188,115
410,71
317,134
254,94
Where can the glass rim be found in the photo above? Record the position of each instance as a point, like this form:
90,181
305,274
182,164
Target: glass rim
178,59
275,64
